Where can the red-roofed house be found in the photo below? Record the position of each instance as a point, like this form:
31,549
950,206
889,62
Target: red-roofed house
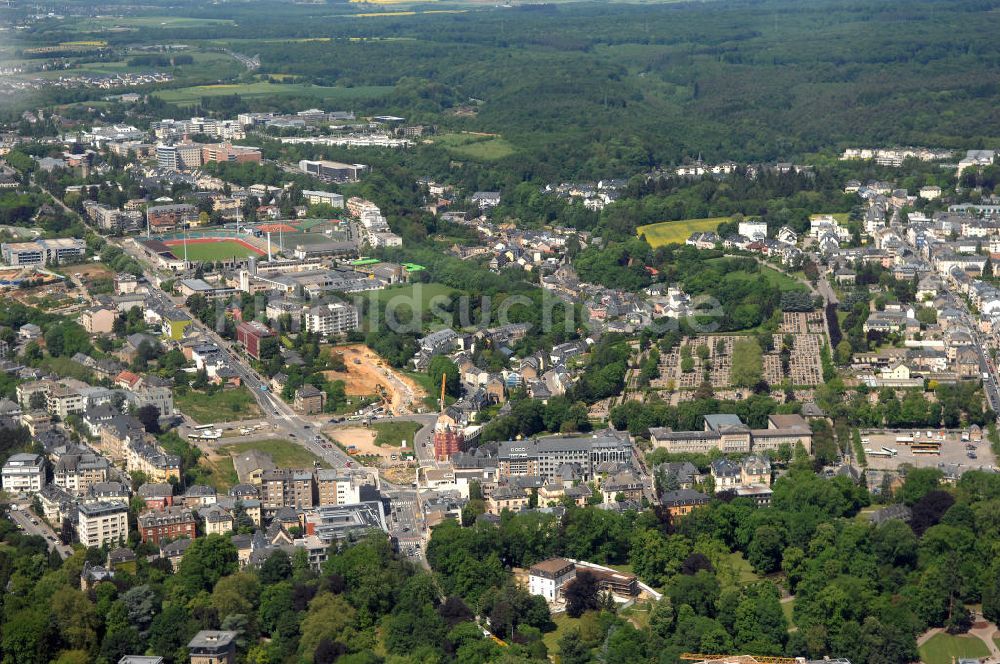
127,380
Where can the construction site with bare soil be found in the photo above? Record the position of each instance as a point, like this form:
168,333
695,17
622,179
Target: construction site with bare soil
368,375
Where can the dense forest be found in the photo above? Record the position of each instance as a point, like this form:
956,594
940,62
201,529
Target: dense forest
861,591
590,90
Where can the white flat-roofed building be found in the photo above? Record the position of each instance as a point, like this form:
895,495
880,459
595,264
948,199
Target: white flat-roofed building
323,198
24,473
332,170
102,523
332,318
43,252
755,230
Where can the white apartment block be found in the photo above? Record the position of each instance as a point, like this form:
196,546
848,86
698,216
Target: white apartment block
23,473
755,230
63,401
333,318
323,197
102,523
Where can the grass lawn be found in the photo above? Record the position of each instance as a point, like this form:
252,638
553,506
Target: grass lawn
743,569
841,217
945,648
192,95
222,406
787,608
223,473
638,614
284,453
475,146
563,624
776,278
356,404
433,389
667,232
66,367
418,293
781,280
391,434
213,251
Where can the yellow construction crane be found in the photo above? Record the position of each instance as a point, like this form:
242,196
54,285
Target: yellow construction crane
443,376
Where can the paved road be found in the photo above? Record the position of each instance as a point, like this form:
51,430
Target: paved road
27,522
824,289
406,518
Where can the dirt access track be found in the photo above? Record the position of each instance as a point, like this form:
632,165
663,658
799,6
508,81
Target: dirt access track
365,371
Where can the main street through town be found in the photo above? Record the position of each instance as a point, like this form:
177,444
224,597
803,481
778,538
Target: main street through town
32,525
405,517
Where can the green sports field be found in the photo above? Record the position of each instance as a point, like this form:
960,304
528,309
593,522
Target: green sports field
676,232
213,251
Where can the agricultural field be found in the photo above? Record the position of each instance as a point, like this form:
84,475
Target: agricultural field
119,23
477,147
220,406
676,232
201,250
261,89
214,65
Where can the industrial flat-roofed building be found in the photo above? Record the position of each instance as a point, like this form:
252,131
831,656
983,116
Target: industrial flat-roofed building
338,522
43,252
201,287
332,170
